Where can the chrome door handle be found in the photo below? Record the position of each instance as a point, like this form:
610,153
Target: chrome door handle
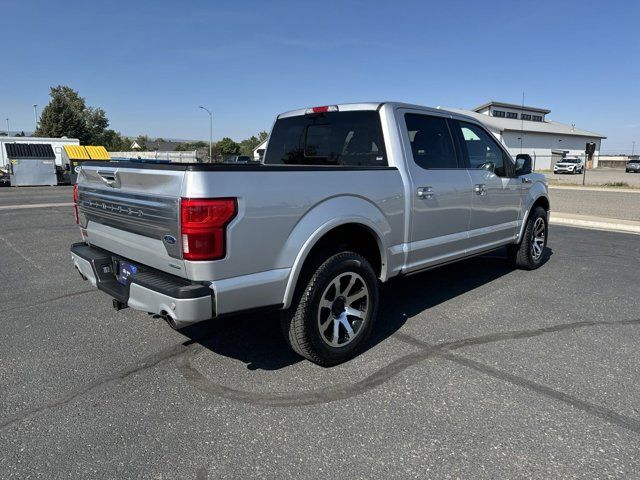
425,193
480,189
525,180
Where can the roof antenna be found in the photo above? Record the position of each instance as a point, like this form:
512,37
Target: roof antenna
522,122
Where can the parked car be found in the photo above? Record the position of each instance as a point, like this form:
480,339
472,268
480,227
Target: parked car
348,197
569,165
633,166
5,179
238,159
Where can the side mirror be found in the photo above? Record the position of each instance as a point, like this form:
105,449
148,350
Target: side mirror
523,164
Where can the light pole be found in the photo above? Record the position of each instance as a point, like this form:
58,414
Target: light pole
633,148
7,127
210,132
35,114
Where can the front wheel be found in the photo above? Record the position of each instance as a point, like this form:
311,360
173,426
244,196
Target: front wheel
529,253
334,311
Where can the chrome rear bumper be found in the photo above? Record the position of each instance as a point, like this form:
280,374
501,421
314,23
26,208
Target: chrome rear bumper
150,290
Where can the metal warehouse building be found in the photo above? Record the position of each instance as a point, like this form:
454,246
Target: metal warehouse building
526,129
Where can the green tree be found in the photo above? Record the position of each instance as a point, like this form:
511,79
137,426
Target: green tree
226,146
67,115
247,145
189,146
64,116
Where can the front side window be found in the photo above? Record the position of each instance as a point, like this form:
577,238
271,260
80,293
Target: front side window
482,151
331,138
431,142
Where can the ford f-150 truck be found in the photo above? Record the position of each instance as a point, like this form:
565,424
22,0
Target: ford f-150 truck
346,197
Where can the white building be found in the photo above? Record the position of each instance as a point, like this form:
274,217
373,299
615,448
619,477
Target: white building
258,152
524,129
56,143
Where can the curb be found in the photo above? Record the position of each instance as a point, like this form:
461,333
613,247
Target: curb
594,188
595,223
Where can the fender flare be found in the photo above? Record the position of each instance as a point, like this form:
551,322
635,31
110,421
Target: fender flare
535,193
321,219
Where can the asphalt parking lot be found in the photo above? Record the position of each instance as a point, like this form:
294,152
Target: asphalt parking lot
475,371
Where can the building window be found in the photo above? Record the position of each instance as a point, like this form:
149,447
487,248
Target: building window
536,118
526,116
498,113
512,115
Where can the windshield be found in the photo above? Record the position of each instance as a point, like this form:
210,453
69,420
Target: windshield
333,138
570,160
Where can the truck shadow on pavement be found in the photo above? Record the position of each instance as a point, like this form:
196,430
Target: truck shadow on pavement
257,340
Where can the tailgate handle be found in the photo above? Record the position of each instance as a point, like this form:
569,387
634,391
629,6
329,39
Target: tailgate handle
108,177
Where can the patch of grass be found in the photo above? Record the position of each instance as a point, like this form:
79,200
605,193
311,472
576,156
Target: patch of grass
616,184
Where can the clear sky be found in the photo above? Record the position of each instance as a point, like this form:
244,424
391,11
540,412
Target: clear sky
150,64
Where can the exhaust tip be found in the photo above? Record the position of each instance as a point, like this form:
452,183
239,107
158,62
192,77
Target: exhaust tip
170,320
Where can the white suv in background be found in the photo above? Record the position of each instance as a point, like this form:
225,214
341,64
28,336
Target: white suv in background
569,165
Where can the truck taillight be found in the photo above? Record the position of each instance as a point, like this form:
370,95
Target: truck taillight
75,203
203,226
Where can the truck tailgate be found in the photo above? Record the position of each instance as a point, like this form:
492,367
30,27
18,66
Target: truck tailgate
133,212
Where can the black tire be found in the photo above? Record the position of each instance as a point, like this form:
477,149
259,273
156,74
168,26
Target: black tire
301,323
522,255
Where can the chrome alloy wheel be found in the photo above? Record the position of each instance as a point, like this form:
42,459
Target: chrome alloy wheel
538,238
343,309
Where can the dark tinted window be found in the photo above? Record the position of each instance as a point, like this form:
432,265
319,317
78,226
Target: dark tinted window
526,116
536,118
482,150
333,138
498,113
431,141
512,115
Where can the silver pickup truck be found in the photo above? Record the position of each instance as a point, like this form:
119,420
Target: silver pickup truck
346,197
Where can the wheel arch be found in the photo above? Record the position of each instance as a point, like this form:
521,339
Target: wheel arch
537,198
362,233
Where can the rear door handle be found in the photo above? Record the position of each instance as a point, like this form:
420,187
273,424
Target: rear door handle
480,189
425,193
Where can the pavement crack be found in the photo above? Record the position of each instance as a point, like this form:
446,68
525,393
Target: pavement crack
386,373
48,300
519,334
146,363
603,413
20,254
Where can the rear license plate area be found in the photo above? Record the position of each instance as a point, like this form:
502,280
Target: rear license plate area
124,271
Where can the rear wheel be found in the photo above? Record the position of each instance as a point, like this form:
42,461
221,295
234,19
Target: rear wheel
529,253
334,311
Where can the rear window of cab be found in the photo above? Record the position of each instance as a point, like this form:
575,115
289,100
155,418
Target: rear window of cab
330,138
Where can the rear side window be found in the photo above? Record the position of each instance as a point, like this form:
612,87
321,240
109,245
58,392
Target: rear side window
332,138
431,141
